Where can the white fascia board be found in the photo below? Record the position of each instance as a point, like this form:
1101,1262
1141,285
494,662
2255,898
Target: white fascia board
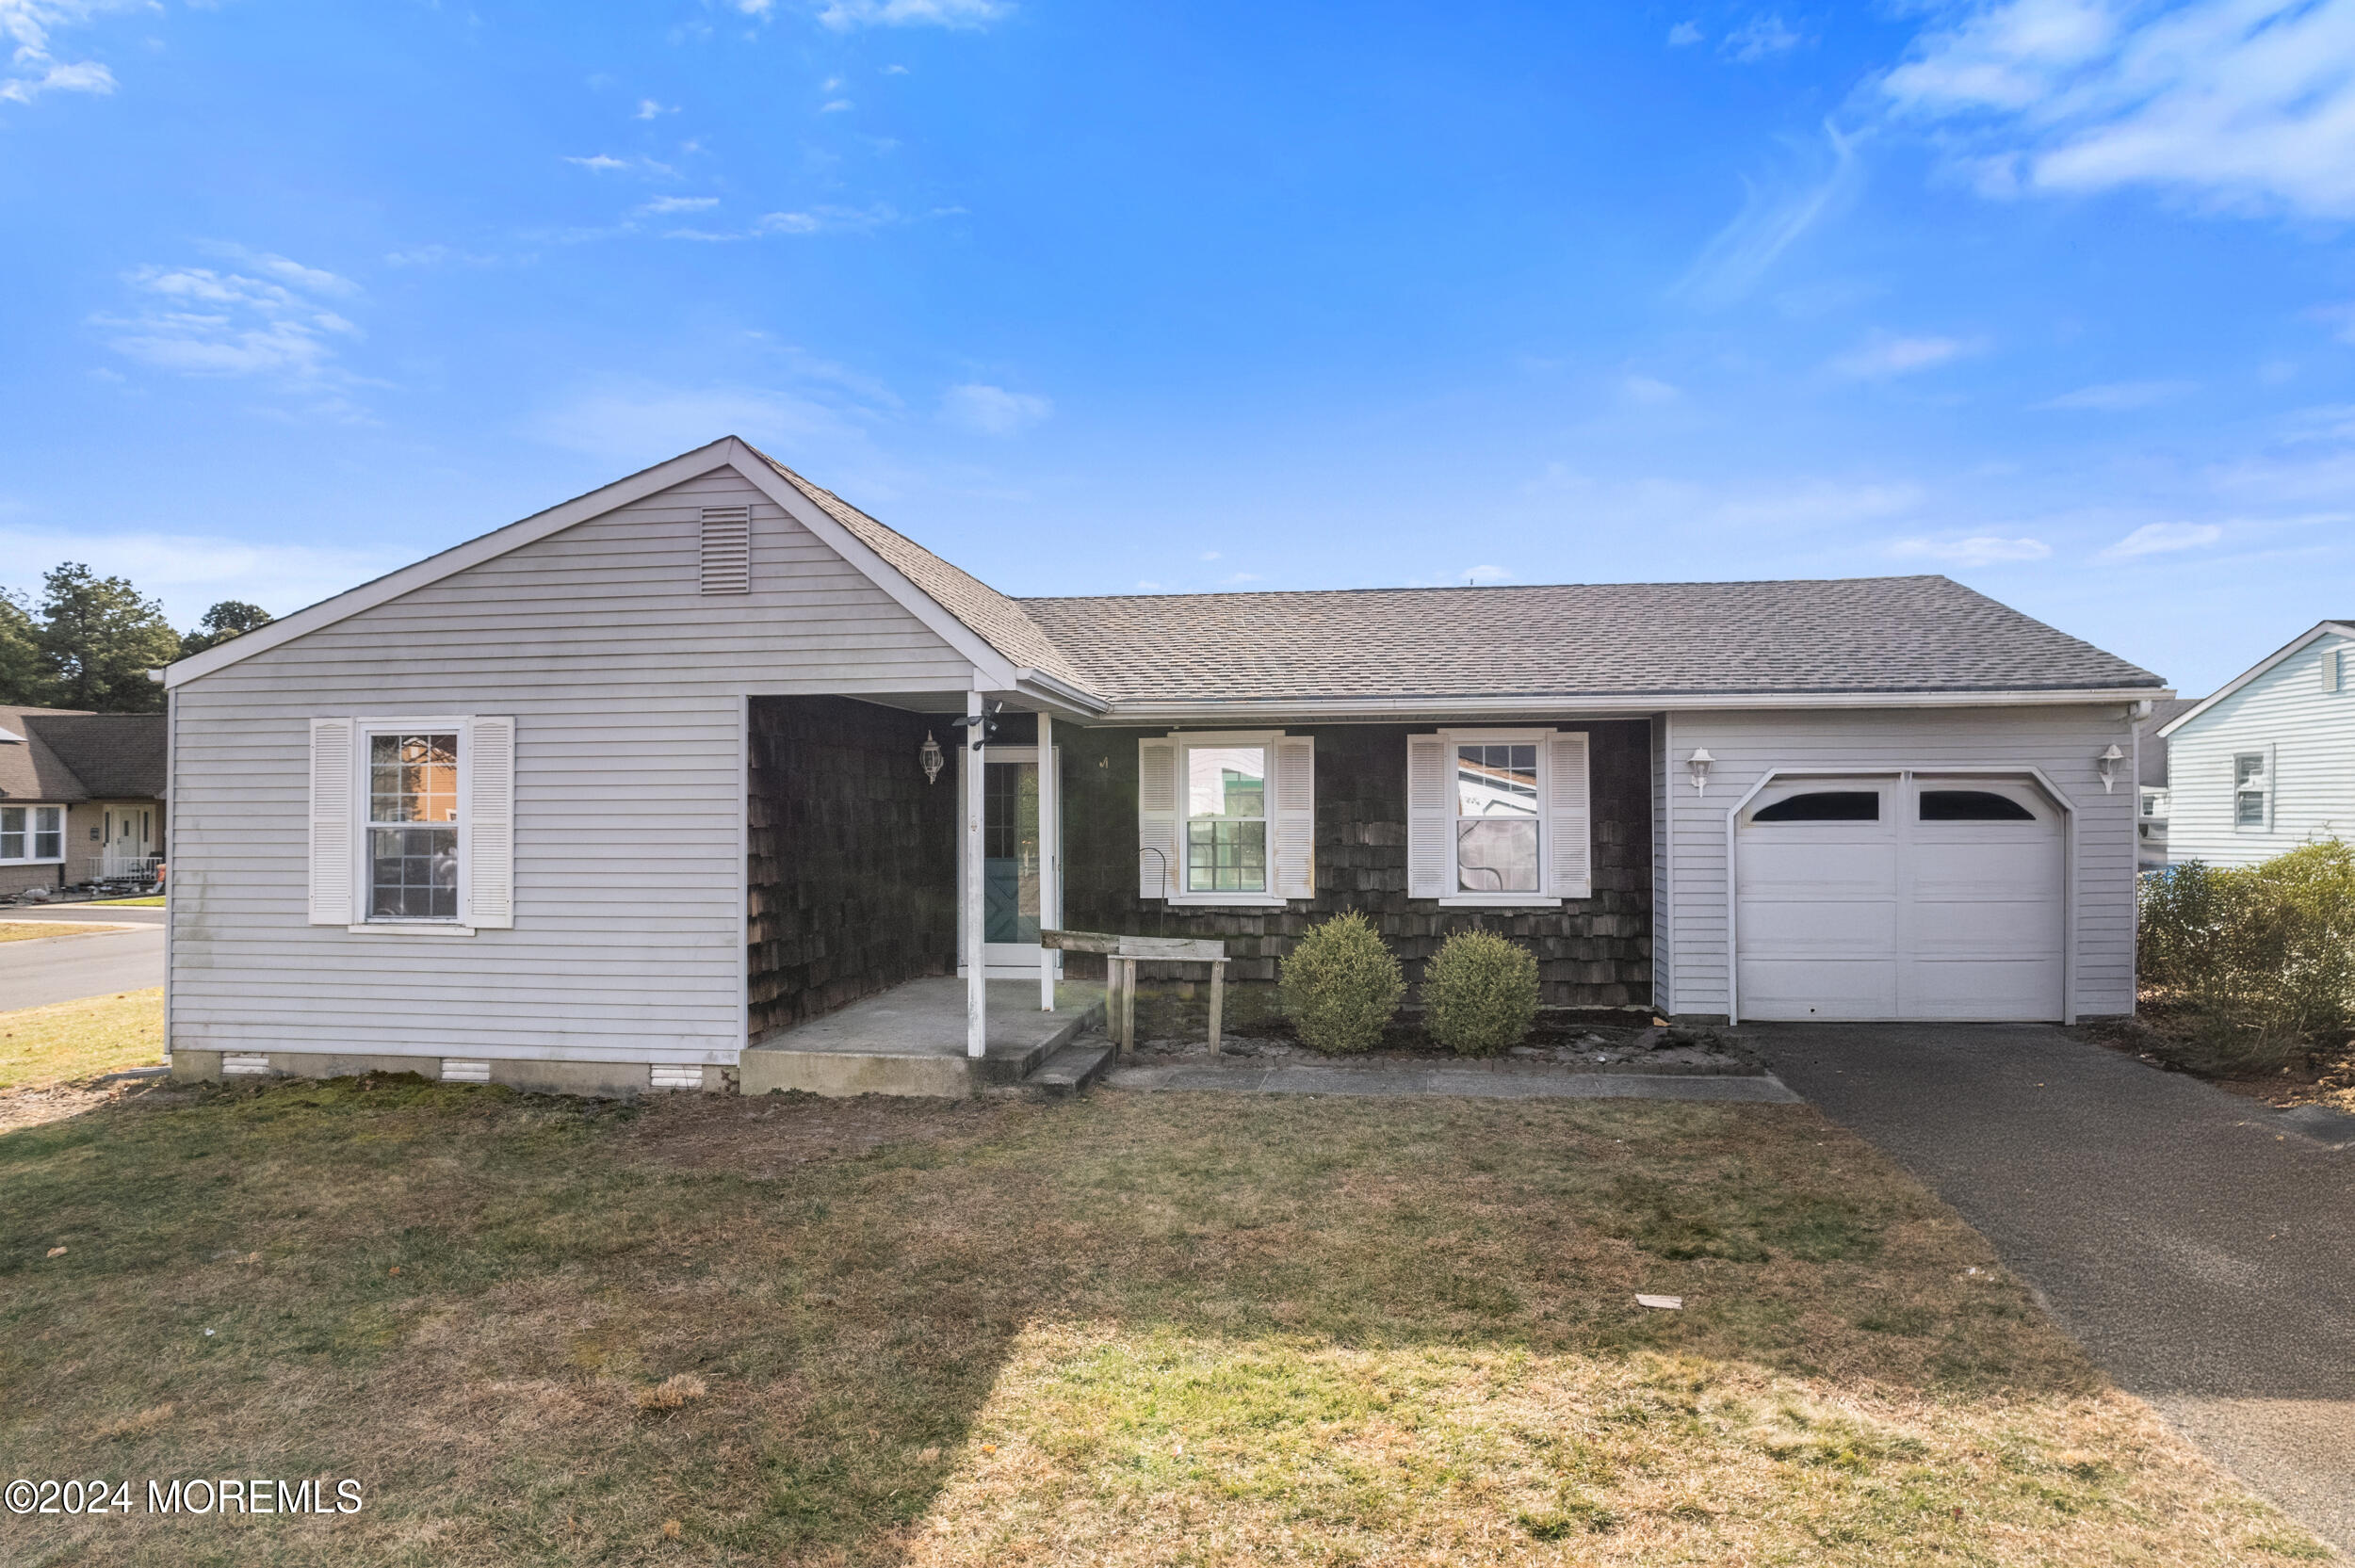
2326,628
1294,710
1066,700
474,552
996,669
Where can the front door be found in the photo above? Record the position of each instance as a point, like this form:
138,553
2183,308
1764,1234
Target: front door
1010,862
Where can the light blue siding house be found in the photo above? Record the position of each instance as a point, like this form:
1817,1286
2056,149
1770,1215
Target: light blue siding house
2268,763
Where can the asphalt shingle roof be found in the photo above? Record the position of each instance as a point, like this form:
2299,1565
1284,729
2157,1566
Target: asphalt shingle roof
1855,635
116,755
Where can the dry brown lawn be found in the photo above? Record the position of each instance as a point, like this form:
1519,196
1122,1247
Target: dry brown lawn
1127,1329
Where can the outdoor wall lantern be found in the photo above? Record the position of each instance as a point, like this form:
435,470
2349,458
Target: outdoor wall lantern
929,757
2107,764
1699,762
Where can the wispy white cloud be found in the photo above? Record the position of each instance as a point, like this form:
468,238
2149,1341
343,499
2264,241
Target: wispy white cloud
827,219
837,106
1684,34
661,204
2154,539
1881,357
1776,212
2246,104
2121,397
34,68
843,15
993,410
648,108
1761,36
1649,390
606,163
1978,550
271,321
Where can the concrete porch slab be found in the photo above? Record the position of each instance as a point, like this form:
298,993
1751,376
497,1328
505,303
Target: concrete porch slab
910,1039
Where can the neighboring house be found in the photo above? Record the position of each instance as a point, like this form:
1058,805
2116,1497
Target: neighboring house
2150,776
2268,763
81,797
600,799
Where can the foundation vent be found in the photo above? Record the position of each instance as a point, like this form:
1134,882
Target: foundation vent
244,1064
677,1078
454,1071
727,550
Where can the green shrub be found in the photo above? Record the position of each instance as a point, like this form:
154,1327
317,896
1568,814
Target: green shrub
1341,985
1480,993
2264,956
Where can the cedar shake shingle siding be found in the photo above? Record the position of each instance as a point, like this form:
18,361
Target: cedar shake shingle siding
1591,952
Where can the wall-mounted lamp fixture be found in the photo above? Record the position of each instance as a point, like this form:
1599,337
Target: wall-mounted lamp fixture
2106,765
929,757
981,727
1698,763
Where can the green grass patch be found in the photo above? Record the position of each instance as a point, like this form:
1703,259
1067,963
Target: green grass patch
66,1041
1125,1329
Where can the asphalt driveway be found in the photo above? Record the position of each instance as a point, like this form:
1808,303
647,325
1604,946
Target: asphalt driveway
2202,1252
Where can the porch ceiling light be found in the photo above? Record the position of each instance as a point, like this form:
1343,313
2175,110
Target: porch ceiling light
2106,764
930,758
1698,765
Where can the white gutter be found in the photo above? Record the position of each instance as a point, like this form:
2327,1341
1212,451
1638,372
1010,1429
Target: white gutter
1302,710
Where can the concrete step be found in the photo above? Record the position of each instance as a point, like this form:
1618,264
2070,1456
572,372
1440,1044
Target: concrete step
1071,1068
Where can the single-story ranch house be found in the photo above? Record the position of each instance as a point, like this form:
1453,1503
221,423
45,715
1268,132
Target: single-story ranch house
622,795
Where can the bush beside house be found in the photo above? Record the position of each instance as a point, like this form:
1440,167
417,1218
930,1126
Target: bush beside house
1342,985
1480,993
2258,961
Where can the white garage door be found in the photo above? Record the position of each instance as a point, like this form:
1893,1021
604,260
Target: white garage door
1899,897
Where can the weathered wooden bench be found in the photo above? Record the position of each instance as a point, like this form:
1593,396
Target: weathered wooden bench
1121,954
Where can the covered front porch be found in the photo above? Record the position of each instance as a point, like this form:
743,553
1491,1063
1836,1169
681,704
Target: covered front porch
901,863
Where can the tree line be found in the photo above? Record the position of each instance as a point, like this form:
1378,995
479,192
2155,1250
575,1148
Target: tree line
89,642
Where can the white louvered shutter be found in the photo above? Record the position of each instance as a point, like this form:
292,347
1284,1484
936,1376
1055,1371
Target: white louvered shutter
1426,817
1294,820
334,806
1158,871
727,550
488,762
1569,819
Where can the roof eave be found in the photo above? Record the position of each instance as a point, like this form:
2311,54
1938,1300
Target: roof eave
1176,711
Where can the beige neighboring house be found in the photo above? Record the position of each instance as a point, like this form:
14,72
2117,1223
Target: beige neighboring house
81,797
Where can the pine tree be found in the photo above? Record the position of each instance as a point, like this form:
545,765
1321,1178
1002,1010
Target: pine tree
228,619
99,638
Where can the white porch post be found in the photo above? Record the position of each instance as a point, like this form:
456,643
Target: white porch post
976,976
1050,860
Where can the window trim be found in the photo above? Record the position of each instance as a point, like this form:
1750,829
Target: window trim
32,833
2265,762
1541,738
1187,740
364,729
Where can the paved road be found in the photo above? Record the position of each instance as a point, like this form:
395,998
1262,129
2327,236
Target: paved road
1532,1082
113,914
2204,1256
62,968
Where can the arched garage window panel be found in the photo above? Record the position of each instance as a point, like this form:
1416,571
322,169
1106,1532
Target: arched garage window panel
1824,805
1971,805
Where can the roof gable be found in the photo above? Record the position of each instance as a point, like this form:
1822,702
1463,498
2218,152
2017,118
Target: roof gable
2258,671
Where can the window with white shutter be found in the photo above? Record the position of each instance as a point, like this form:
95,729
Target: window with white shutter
1498,817
1226,820
411,823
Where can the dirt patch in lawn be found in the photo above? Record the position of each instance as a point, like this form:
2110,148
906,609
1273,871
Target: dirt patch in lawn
1118,1329
2175,1041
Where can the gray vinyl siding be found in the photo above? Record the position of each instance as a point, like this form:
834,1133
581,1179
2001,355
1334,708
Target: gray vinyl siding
2063,742
627,685
1663,989
2312,732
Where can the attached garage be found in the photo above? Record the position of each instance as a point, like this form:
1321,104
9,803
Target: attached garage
1901,895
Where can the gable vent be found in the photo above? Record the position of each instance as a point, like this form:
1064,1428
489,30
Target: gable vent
727,550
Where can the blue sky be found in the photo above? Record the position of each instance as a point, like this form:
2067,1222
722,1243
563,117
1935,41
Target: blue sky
2053,296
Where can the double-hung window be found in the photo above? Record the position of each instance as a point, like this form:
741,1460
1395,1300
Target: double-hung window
413,825
1227,817
32,833
2253,791
1499,816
